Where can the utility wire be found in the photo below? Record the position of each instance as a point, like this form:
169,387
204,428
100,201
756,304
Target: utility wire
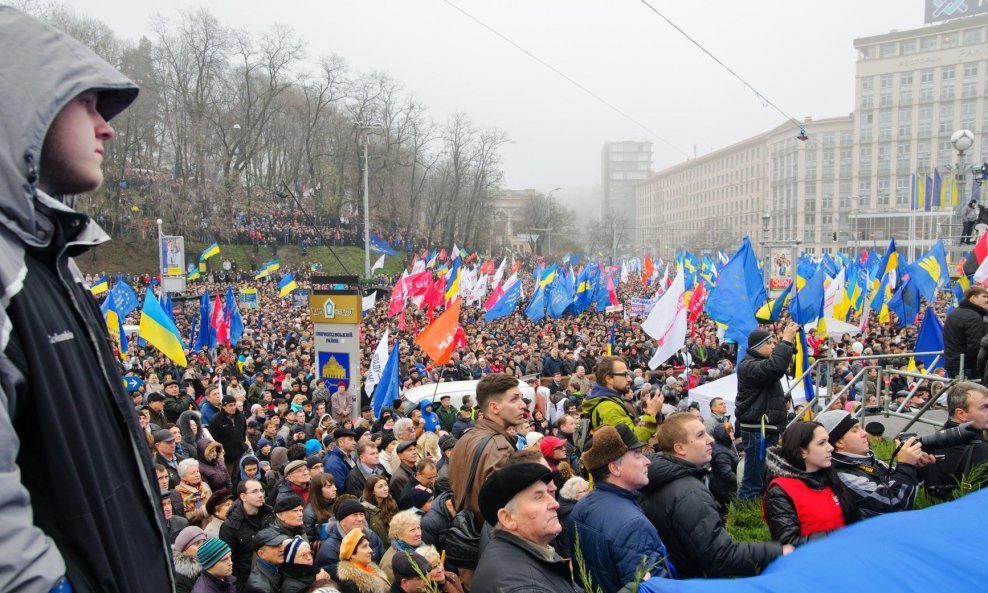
569,79
722,64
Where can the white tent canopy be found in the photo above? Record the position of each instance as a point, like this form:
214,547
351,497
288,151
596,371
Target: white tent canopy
727,388
837,328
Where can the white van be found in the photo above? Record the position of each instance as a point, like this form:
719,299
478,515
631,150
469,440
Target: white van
456,390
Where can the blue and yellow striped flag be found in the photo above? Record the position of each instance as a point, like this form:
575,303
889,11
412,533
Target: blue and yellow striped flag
100,286
212,250
159,331
287,285
267,268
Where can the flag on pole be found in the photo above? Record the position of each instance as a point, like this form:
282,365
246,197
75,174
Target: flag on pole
505,305
100,286
379,264
437,339
267,268
204,338
377,364
159,331
367,302
389,384
210,251
288,284
667,323
930,339
114,323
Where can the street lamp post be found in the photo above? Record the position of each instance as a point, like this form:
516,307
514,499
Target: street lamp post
365,128
548,199
962,140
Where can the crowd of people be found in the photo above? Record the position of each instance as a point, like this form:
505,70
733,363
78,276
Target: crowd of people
244,470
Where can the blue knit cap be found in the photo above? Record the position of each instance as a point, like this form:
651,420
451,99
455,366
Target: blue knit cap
212,551
312,447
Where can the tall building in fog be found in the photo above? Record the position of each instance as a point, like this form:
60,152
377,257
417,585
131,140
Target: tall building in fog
623,166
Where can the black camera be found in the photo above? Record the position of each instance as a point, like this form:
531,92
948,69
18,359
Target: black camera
950,437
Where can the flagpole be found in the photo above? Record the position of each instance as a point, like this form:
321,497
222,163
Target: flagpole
161,262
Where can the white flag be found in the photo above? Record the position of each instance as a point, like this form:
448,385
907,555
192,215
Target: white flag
667,321
833,293
377,363
367,303
499,273
981,274
419,266
378,264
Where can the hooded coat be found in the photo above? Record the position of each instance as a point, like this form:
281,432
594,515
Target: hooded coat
785,522
689,522
55,354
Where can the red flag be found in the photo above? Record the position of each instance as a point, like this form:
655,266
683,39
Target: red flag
496,294
219,322
514,266
647,270
435,297
488,267
438,339
697,299
397,297
470,258
981,248
442,254
417,285
611,292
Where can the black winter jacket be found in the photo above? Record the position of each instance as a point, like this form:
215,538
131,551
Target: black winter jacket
689,522
436,522
511,564
723,466
174,406
759,390
231,432
962,333
874,488
952,464
238,532
778,508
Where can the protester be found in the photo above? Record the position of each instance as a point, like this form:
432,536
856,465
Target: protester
356,568
379,505
953,470
247,517
298,573
269,555
805,498
517,502
760,405
216,560
685,513
605,403
962,333
186,562
872,487
405,534
350,516
217,507
318,514
600,523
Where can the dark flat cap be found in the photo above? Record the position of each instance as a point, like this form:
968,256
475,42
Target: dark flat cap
349,507
343,432
288,502
403,445
506,483
268,537
410,565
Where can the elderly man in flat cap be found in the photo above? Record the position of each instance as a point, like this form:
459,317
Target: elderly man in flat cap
516,500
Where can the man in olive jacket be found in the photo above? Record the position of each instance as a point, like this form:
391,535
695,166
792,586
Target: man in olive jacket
761,397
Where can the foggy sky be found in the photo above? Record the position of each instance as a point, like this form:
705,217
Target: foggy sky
798,54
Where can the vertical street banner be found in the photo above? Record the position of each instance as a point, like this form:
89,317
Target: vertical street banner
172,250
781,270
335,309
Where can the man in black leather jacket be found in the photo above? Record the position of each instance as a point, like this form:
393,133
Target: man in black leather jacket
966,402
760,394
686,515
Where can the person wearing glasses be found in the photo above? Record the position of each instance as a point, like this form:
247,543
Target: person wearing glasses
761,404
606,404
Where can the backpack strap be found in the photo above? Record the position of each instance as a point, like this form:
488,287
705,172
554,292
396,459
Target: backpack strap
473,470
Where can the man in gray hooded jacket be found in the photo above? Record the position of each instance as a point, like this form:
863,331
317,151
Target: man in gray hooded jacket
78,504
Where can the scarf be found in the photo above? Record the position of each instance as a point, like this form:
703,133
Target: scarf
402,546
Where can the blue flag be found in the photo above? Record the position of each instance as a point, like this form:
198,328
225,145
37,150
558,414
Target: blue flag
807,305
203,336
905,303
738,294
930,271
233,319
124,299
930,339
780,303
535,310
562,295
506,304
386,391
380,245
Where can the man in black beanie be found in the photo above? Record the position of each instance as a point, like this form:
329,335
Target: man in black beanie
761,405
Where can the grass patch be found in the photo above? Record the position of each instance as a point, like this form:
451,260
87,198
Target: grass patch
131,256
744,522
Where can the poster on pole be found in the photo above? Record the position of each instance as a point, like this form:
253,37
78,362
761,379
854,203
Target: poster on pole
172,254
781,270
336,316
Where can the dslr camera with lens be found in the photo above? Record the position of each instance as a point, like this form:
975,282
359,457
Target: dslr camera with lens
949,437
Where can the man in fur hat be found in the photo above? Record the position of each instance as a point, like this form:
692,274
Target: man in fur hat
602,521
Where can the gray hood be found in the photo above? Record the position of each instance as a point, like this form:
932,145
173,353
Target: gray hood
50,70
43,70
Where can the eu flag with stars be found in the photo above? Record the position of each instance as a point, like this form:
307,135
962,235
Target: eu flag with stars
738,294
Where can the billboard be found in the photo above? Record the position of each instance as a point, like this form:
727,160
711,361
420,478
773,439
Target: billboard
780,274
942,10
172,254
336,315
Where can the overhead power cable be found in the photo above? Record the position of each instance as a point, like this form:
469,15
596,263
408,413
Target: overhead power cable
757,93
570,79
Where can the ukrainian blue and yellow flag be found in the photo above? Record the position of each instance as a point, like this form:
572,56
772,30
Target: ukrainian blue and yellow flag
287,285
889,262
194,273
453,282
100,286
548,275
115,326
159,331
930,271
267,268
210,251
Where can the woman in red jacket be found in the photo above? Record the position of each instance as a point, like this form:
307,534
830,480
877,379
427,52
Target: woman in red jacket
805,499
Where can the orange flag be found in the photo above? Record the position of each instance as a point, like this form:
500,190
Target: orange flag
647,269
438,338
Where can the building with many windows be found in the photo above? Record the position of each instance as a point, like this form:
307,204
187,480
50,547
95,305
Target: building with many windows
851,182
623,166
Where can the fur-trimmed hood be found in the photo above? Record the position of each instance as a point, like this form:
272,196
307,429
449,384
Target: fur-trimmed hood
187,566
365,583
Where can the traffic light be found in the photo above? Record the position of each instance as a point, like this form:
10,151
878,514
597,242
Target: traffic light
835,236
984,170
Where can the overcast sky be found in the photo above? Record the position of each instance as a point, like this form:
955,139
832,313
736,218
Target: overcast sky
798,54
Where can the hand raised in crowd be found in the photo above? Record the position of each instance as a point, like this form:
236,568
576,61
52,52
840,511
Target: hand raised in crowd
653,403
790,331
912,453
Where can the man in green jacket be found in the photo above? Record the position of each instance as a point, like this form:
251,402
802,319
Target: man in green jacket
447,414
605,404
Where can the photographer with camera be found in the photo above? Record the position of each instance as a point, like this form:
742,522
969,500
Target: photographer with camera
761,397
873,487
959,448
